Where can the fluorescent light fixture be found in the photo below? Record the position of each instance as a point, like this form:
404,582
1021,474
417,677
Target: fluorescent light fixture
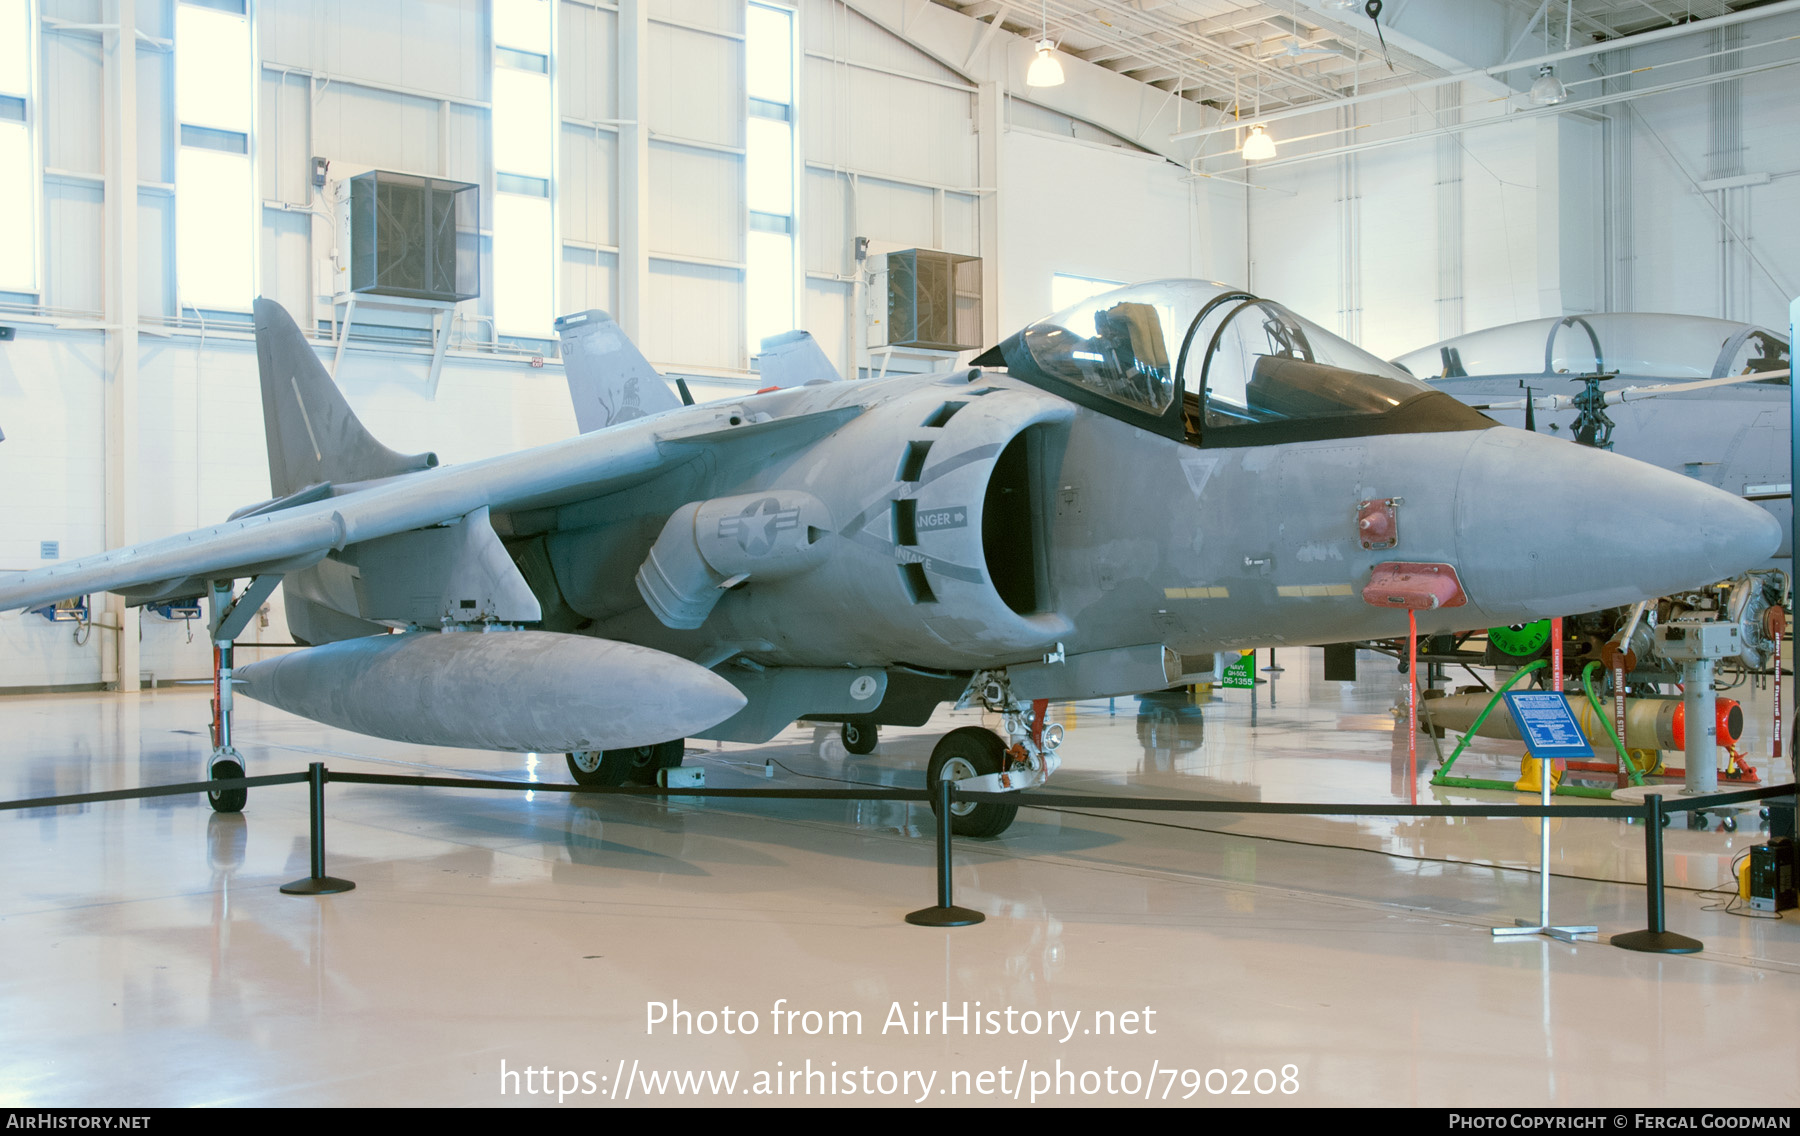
1259,146
1045,70
1548,90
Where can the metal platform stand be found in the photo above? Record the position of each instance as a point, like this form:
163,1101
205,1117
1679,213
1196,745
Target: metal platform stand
945,913
1523,928
1656,939
317,883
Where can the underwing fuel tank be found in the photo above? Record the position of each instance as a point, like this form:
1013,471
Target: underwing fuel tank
521,691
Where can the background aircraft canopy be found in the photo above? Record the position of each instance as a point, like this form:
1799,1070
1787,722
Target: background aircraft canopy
1637,344
1140,348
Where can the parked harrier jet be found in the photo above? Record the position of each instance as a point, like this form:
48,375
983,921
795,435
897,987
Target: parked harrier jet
1707,398
1103,501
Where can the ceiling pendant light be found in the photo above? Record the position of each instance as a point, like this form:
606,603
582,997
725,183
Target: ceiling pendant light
1045,71
1258,146
1548,90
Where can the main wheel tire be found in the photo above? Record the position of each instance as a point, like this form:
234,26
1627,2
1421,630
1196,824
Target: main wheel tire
647,760
606,769
635,766
227,800
970,751
860,739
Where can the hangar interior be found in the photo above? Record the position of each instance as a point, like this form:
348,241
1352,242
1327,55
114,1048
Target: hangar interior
713,173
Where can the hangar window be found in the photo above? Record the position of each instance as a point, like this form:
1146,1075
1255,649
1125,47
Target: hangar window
769,278
1066,291
18,164
524,139
215,184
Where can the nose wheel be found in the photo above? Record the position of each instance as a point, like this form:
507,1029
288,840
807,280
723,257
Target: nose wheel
960,755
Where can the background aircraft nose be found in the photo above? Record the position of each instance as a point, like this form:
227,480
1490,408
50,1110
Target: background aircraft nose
1547,527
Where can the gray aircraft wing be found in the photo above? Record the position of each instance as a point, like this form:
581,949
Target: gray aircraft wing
313,435
610,381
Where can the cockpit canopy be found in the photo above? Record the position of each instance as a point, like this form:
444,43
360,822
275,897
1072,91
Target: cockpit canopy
1201,359
1635,344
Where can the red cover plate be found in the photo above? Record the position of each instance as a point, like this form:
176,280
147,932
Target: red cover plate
1405,584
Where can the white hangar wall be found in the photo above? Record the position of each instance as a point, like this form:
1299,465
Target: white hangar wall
1613,209
894,146
1092,210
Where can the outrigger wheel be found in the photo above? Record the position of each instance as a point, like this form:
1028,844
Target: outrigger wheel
860,738
227,800
971,751
635,766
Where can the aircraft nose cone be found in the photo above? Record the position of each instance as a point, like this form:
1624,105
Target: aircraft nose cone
1739,535
1547,527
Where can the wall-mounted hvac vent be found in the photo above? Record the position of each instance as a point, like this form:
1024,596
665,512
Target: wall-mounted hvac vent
934,300
415,237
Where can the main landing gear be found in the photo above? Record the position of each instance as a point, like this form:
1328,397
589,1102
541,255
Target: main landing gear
635,766
979,760
860,738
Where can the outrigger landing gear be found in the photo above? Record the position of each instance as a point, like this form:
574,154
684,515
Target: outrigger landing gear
227,616
979,760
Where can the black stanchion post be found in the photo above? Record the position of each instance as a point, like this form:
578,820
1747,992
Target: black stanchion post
946,913
1657,939
318,883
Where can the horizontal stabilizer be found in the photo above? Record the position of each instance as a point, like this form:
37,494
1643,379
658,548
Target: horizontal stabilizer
313,434
794,359
609,379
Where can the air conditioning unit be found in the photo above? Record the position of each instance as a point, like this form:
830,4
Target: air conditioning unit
933,299
412,237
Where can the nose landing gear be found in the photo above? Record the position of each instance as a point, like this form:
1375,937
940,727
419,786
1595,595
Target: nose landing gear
979,760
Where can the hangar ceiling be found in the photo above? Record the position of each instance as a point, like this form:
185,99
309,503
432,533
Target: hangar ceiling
1273,56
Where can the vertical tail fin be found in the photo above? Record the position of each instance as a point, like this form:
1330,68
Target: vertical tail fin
610,381
793,359
313,435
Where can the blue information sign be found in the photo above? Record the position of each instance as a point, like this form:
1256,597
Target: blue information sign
1547,724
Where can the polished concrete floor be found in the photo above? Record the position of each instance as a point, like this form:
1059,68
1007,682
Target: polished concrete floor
1205,958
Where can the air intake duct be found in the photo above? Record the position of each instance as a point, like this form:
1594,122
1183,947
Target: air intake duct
707,547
